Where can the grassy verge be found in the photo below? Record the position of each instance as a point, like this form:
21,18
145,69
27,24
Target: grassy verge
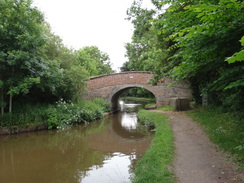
166,108
150,104
154,165
224,129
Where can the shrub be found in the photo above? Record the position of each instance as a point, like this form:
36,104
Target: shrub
103,104
55,116
25,116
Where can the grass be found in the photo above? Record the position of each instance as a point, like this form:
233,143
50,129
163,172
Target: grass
224,129
166,108
154,165
150,104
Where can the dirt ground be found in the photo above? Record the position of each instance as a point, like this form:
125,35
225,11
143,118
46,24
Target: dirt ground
197,160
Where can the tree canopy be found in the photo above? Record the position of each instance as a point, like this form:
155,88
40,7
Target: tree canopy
201,41
35,64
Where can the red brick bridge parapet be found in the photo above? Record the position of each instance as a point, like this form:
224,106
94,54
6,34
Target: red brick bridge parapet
111,86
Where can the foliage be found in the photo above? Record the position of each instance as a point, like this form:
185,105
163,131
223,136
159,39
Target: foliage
52,118
238,56
64,77
153,167
144,51
27,115
106,107
67,113
94,61
202,41
59,115
35,64
20,38
138,92
224,129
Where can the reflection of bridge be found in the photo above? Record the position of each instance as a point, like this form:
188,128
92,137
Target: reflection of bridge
111,86
118,139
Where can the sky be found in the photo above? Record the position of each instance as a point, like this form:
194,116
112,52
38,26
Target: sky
98,23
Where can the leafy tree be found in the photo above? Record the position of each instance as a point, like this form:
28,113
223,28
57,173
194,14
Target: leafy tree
204,44
208,34
94,61
20,38
144,52
60,78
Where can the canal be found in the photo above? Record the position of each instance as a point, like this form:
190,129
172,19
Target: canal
103,151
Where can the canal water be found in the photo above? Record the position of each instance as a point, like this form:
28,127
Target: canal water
103,151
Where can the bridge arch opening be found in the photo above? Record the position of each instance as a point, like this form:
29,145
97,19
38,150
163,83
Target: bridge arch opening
115,97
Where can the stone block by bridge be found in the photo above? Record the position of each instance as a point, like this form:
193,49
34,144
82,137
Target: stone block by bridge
111,86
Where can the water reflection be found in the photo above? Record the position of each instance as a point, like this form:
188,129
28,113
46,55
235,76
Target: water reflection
130,107
114,169
129,121
103,151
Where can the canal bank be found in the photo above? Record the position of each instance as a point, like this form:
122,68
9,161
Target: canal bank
31,128
154,167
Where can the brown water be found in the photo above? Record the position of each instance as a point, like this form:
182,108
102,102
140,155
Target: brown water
100,152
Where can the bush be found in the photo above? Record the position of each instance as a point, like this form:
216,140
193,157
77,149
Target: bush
25,116
55,116
52,120
103,104
82,112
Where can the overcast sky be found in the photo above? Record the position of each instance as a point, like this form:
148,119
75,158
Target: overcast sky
91,23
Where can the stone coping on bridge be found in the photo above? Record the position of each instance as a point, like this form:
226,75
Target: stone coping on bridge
119,73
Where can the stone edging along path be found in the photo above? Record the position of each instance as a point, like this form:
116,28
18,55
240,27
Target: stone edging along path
197,160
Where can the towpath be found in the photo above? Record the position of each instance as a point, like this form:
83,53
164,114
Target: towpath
197,160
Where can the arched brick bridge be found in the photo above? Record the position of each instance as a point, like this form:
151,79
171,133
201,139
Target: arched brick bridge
111,86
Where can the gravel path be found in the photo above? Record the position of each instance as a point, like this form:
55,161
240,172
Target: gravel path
197,160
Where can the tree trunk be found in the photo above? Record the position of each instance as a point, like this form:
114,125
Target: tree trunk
10,103
1,100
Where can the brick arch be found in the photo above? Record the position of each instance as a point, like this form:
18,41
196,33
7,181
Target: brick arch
114,95
111,86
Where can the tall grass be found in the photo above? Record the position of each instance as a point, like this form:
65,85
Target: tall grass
224,129
26,115
57,115
154,165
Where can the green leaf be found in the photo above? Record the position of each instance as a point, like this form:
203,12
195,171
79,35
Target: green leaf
239,56
237,83
242,41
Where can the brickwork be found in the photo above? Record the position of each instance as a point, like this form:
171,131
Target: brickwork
111,86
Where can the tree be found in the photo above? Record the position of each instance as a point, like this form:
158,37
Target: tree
94,61
204,34
57,80
20,37
201,42
143,53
